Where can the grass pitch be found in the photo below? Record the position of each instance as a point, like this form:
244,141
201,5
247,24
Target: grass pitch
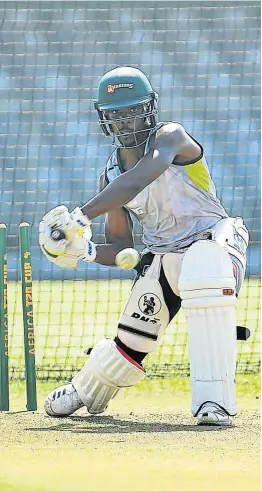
71,316
146,441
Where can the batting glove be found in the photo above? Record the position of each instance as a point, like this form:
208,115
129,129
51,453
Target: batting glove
78,249
69,224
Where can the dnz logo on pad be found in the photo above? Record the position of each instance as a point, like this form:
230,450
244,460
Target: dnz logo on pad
149,304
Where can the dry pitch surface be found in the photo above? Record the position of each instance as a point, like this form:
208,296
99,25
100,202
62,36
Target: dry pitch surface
147,441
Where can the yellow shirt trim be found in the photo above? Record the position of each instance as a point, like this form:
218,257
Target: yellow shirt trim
199,175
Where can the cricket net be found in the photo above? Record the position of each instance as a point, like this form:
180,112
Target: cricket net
203,58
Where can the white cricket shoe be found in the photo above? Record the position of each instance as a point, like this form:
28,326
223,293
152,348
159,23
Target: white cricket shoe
63,401
212,414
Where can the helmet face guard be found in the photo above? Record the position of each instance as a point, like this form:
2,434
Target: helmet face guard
126,106
148,112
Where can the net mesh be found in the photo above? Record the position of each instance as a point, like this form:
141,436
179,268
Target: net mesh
204,61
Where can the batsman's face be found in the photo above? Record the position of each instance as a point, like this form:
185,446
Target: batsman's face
128,124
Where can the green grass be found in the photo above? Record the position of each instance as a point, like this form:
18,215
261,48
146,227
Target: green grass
248,387
72,316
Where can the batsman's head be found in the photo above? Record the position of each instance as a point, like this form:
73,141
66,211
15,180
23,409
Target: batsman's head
126,106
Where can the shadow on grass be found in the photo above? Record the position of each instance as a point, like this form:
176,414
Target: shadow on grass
110,424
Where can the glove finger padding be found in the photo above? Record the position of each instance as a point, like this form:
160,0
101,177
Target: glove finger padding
57,216
69,223
73,253
49,245
78,249
65,261
60,218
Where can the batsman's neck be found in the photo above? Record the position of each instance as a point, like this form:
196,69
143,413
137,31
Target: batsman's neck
129,157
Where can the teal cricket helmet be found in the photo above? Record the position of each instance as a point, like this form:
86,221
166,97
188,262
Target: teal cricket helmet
124,87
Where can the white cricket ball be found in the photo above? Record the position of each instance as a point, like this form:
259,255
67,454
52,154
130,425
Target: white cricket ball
127,258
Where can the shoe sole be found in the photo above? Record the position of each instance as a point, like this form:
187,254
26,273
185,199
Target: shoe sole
207,422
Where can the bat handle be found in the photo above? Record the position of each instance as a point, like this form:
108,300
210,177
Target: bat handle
57,234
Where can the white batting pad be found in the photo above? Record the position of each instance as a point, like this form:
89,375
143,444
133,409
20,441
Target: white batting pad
107,370
207,289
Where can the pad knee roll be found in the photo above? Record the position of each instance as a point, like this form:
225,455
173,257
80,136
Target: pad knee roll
107,370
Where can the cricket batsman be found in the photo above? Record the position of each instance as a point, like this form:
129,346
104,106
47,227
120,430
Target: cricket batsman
194,256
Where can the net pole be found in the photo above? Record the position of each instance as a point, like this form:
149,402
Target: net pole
4,376
28,318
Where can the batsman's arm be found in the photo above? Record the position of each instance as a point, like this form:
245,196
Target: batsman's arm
118,233
171,142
